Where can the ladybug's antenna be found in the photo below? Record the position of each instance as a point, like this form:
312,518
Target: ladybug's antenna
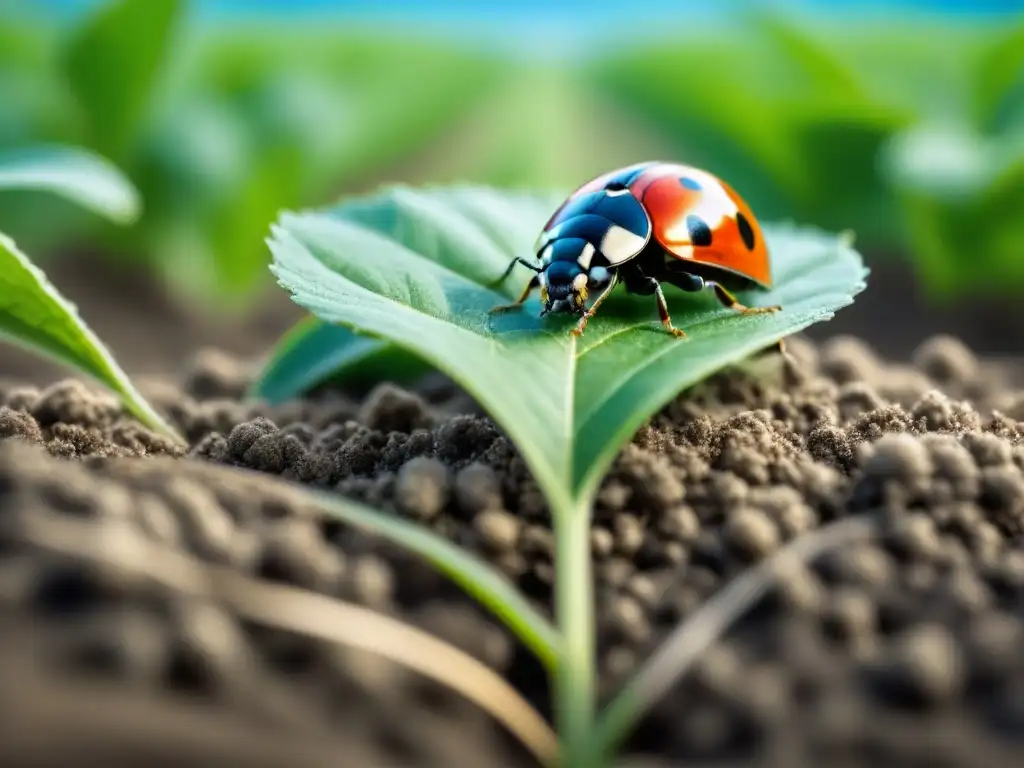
511,266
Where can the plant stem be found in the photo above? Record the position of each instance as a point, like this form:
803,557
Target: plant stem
575,683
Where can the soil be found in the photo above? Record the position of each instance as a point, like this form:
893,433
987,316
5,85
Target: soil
901,651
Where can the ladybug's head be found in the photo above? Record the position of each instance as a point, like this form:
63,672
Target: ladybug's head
590,235
563,280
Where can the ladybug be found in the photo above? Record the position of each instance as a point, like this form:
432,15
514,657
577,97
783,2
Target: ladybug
644,225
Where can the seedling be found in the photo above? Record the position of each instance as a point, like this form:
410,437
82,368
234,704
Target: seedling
33,313
412,268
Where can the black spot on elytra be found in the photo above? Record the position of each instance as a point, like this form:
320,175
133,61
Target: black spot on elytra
746,231
700,232
690,183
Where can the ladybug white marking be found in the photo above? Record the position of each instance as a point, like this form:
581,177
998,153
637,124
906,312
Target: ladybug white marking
619,245
586,256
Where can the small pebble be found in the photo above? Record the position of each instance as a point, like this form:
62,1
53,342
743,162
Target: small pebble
615,571
679,523
538,540
19,424
372,581
629,534
849,614
389,408
602,542
946,360
629,619
421,488
896,456
751,533
294,553
477,489
921,668
498,530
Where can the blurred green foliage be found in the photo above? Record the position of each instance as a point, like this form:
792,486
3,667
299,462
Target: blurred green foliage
110,65
223,125
825,125
219,126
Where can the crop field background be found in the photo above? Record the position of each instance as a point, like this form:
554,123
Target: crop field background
902,122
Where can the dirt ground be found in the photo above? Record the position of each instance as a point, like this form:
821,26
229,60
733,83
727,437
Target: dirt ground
121,639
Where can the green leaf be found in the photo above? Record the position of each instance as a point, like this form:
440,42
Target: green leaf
412,267
314,353
80,176
111,64
34,314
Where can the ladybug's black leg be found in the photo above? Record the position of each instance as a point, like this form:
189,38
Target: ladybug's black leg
663,311
534,282
646,286
729,301
687,281
578,330
639,283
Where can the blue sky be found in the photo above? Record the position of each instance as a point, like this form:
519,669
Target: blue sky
520,9
554,27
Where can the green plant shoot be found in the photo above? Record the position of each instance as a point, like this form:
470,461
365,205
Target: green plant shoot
33,313
414,268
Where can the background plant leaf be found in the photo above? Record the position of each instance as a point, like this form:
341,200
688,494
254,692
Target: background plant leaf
960,193
832,140
313,353
111,63
809,56
999,80
412,266
233,261
78,175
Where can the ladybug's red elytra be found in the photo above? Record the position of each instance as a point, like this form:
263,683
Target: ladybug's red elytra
644,225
